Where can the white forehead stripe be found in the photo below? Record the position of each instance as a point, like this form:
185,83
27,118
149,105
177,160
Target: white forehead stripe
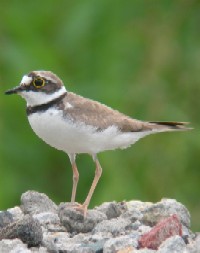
26,79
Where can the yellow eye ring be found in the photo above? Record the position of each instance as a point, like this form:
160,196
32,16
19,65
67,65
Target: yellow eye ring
38,82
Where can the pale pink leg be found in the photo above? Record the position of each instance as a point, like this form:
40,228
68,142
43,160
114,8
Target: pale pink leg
75,176
97,176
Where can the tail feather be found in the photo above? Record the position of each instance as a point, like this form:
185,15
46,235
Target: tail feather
169,125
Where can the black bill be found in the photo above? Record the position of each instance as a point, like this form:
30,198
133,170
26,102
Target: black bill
14,90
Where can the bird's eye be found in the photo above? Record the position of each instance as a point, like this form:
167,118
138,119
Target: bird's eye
38,82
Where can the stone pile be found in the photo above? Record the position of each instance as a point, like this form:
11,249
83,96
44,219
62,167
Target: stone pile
39,225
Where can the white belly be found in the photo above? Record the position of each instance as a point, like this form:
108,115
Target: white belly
65,135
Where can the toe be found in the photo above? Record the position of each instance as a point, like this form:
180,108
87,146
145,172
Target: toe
82,209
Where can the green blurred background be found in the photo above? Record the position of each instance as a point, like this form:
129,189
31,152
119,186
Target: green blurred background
140,57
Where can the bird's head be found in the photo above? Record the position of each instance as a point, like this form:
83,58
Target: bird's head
39,87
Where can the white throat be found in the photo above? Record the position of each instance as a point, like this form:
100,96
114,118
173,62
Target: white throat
37,98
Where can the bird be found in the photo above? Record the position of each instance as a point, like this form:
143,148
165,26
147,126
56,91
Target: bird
78,125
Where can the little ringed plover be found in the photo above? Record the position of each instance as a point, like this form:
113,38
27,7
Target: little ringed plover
75,124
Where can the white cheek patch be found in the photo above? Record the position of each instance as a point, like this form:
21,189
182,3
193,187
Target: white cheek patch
34,98
26,80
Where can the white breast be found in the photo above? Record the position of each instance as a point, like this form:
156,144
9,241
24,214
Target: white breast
63,134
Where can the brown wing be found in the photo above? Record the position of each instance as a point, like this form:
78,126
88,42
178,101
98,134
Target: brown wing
92,113
98,115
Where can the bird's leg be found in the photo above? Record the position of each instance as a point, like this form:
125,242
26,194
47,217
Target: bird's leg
97,176
98,172
75,176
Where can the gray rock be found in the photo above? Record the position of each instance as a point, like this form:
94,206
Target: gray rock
16,213
163,209
13,246
5,218
74,248
139,206
51,240
96,247
34,202
74,221
27,229
47,217
96,237
150,214
194,245
39,250
144,229
95,241
112,209
80,246
135,210
59,242
115,226
136,225
142,251
50,221
80,242
173,244
62,240
120,243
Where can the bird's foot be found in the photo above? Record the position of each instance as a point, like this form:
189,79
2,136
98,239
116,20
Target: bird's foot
82,208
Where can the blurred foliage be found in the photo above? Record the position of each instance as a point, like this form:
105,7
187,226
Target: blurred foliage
140,57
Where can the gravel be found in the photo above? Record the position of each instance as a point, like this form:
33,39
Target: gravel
39,225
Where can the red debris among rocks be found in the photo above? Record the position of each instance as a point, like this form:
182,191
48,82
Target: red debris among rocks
164,229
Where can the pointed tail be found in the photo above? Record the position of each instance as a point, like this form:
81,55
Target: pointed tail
169,126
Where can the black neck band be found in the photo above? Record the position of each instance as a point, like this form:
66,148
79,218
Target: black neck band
44,107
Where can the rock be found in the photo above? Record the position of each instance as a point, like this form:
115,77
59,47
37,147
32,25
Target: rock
96,247
59,242
74,221
163,209
173,244
64,240
115,226
39,250
16,213
74,248
34,202
144,229
97,237
49,221
52,240
13,246
120,243
194,245
138,251
27,229
5,218
128,249
150,214
112,209
135,210
164,229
